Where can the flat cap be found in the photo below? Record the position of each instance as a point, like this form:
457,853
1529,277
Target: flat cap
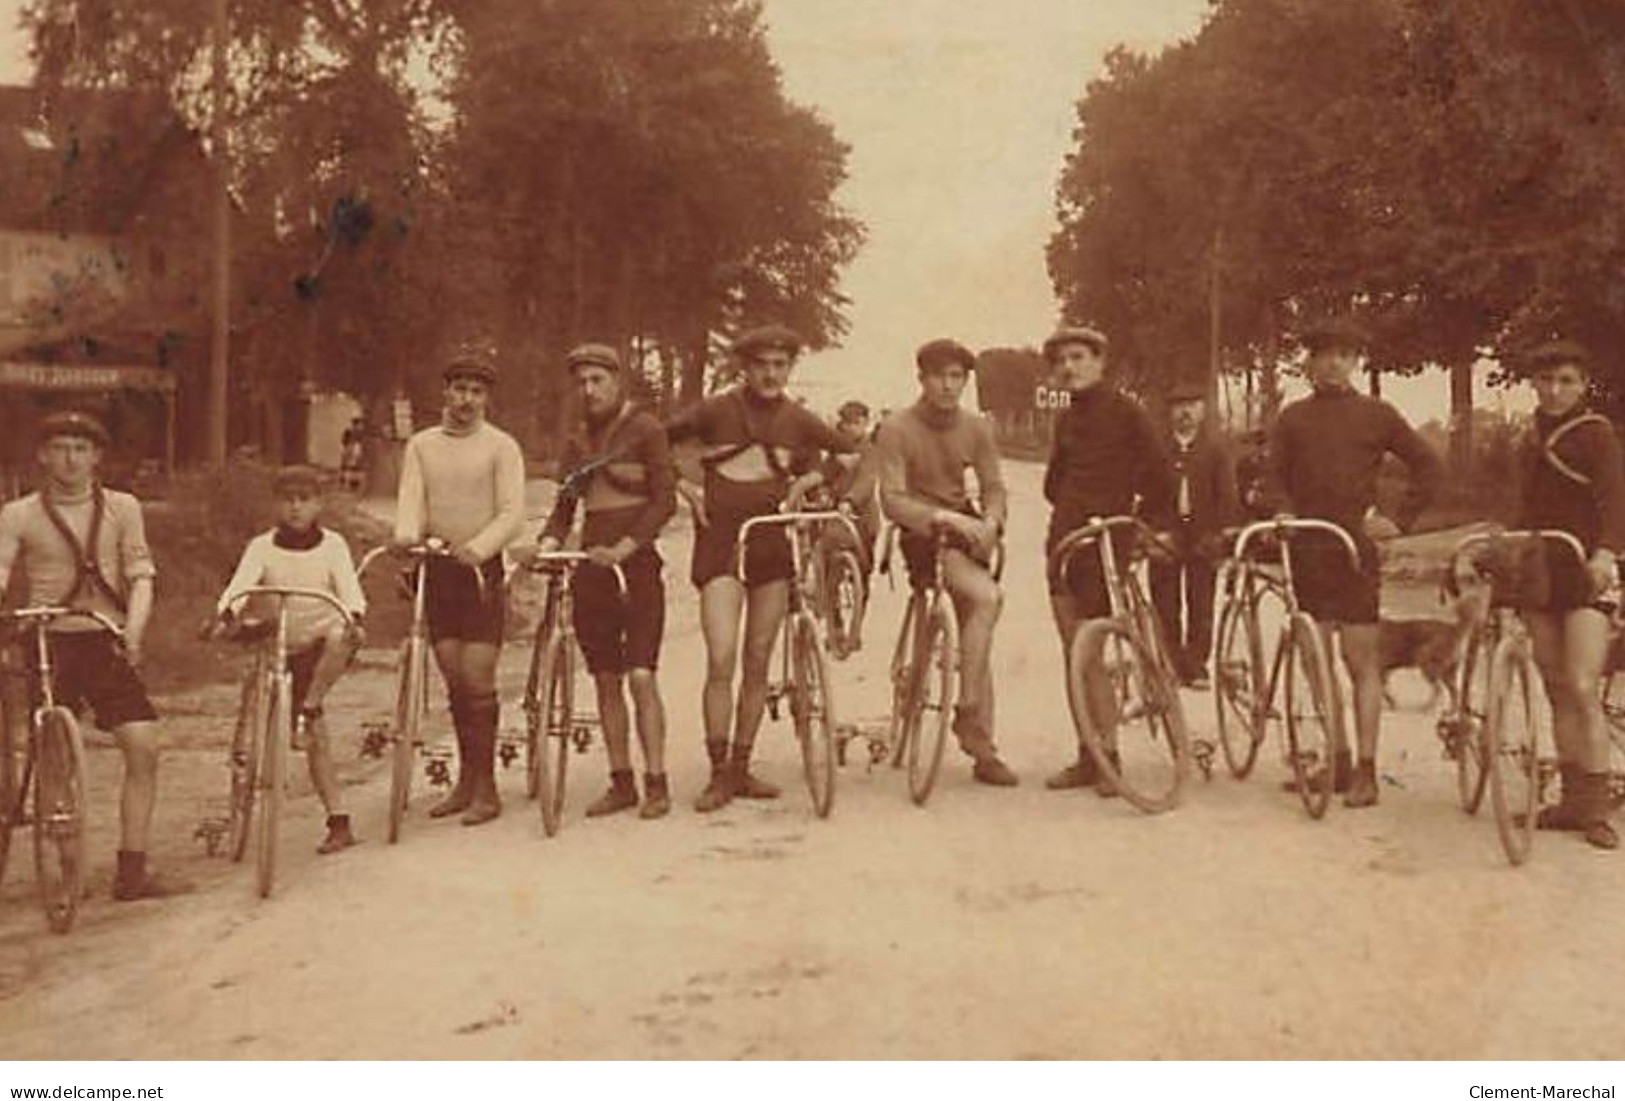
71,422
593,355
943,351
1075,334
1334,332
1555,353
763,338
472,360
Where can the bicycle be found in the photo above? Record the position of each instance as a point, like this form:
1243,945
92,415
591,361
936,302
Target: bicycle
1125,652
804,677
839,593
263,737
550,689
1299,682
52,769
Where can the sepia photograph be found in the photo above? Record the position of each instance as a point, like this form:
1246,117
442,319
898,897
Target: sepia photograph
827,530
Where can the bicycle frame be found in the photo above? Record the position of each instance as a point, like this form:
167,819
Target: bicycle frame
799,523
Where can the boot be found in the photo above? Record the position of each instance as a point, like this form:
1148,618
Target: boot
462,792
719,792
1342,775
622,795
134,882
338,836
484,805
1081,773
656,797
989,770
1595,801
1565,814
747,786
1362,790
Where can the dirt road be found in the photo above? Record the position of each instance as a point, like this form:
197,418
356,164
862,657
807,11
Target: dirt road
993,924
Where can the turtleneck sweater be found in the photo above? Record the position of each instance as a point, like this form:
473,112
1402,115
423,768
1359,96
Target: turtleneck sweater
1106,454
923,453
463,487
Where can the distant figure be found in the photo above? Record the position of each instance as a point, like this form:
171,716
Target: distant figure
352,455
1252,474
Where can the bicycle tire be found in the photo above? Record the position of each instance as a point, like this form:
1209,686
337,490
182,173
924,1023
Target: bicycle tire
535,727
408,731
13,794
1512,749
1311,745
273,786
812,704
556,710
847,604
59,817
936,656
1148,772
903,684
1472,692
248,741
1239,687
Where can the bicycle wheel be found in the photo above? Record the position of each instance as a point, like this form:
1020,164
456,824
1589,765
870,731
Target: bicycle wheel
12,795
1465,742
1311,715
846,604
555,711
59,817
247,747
1142,747
812,712
1240,687
535,721
931,706
904,684
1512,748
408,730
273,783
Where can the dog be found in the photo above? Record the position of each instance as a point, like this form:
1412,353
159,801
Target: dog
1433,647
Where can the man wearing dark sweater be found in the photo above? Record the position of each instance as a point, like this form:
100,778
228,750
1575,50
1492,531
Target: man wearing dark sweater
1106,460
1327,452
923,453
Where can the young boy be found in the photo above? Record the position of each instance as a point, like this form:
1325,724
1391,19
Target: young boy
300,553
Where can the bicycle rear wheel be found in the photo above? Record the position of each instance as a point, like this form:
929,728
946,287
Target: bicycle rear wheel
931,707
1512,749
1466,736
1311,715
904,683
1139,742
13,795
408,730
535,718
247,748
846,604
555,709
59,817
273,783
1240,687
812,713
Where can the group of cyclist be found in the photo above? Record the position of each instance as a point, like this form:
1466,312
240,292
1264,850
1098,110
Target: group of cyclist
751,451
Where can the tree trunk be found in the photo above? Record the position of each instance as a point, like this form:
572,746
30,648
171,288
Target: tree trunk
1461,419
1374,381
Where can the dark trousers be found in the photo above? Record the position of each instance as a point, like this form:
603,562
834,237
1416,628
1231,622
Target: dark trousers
1182,590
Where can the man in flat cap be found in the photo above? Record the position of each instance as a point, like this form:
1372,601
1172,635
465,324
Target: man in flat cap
1327,451
1205,502
618,468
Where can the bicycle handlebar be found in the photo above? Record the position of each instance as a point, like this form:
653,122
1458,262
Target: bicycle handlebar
787,519
1286,527
47,614
1076,539
1485,538
570,560
350,617
431,547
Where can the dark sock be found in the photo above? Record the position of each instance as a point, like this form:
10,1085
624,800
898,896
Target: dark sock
620,779
338,822
483,713
654,783
132,866
741,754
718,752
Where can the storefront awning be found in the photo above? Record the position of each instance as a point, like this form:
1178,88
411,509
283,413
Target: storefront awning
46,376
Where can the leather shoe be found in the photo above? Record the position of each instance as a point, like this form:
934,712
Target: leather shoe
481,811
754,787
991,770
1081,773
613,800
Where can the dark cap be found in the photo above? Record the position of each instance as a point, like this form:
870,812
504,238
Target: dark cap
943,351
1334,333
765,338
295,479
71,422
1557,353
1075,334
594,355
852,411
472,360
1187,390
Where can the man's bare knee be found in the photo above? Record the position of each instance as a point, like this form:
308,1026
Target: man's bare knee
139,743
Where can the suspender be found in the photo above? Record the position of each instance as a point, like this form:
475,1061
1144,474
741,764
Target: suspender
577,482
733,451
86,568
1548,446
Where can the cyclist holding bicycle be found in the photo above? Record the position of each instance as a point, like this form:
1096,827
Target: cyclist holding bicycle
1106,456
852,479
923,452
1574,481
1326,454
83,546
622,476
301,554
759,450
463,481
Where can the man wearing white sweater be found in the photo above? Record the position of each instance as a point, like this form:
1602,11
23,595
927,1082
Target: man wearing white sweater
463,482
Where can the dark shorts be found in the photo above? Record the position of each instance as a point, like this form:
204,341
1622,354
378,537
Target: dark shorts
919,555
1329,588
616,633
767,554
456,607
1082,578
92,672
1571,587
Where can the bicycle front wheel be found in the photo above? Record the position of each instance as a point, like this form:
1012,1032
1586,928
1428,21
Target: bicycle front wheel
247,749
1466,737
1128,714
1512,748
904,683
1240,688
13,793
273,782
555,710
59,817
408,730
812,707
931,708
1311,715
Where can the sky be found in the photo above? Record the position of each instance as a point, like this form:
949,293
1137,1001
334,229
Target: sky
959,114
